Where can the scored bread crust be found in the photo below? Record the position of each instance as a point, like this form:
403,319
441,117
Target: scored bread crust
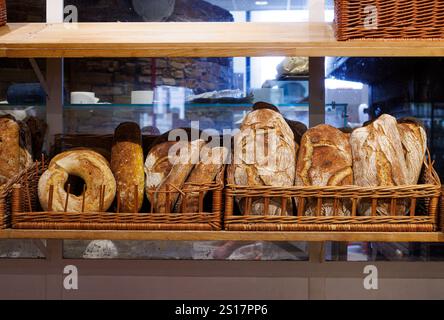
274,166
157,166
378,159
414,143
325,159
182,166
211,164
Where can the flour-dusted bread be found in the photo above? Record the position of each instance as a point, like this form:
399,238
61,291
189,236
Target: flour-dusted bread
187,157
414,144
211,163
9,148
158,165
378,158
88,165
127,166
325,159
264,155
15,147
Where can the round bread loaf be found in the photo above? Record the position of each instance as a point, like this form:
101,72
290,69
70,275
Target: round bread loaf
127,166
87,165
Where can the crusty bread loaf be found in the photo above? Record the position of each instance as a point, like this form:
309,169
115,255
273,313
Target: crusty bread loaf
264,155
414,144
15,147
26,158
127,166
378,158
89,166
182,165
212,162
9,148
157,165
325,159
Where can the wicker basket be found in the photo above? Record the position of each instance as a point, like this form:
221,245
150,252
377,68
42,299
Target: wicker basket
396,19
6,198
422,208
2,12
27,214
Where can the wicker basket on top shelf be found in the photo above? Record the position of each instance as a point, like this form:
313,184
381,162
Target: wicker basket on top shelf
27,213
389,19
2,12
420,203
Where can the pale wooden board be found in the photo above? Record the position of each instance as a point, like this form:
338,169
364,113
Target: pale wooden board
224,235
197,39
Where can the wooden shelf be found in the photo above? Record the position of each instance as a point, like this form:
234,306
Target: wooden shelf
225,235
199,39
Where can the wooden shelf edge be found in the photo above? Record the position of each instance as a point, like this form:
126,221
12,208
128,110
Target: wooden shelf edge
196,39
224,235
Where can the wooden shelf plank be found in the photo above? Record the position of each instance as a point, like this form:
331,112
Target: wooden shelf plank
224,235
197,39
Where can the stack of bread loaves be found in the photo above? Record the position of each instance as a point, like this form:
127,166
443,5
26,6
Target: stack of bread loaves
171,165
171,176
386,152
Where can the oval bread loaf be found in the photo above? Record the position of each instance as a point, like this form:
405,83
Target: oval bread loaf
127,166
264,155
325,159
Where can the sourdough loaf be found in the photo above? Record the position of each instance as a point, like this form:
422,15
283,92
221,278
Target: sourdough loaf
127,166
183,164
158,165
325,159
212,162
414,144
85,164
264,155
15,147
378,159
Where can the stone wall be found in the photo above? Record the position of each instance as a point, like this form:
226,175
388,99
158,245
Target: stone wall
114,79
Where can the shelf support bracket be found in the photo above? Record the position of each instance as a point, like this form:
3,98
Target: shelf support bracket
39,75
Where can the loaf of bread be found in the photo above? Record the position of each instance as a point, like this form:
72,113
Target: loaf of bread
264,155
325,159
183,164
211,163
26,158
378,159
127,166
158,165
9,148
89,166
15,147
414,144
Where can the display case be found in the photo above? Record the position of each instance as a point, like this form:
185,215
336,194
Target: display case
210,70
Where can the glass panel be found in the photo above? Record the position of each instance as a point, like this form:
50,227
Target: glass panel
166,93
188,250
26,10
20,249
192,10
381,251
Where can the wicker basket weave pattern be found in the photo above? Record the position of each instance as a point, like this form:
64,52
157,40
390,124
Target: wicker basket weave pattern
27,214
395,19
2,12
421,213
